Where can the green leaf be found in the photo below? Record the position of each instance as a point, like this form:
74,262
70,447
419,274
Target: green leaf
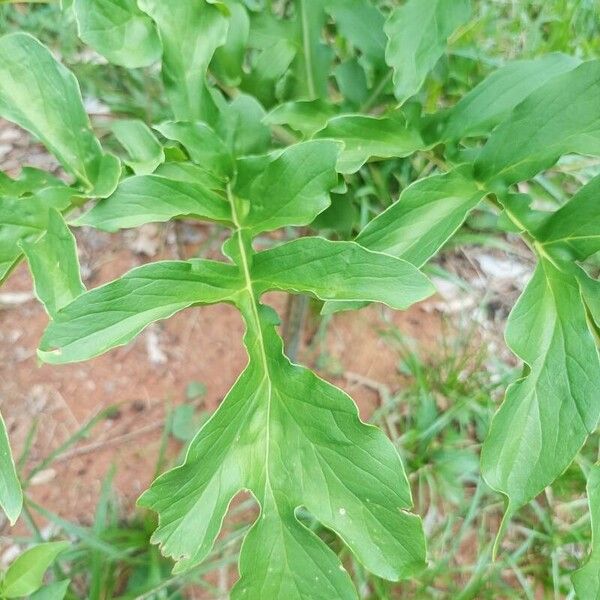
293,188
313,62
360,22
305,116
23,219
26,573
562,116
577,223
293,440
339,271
191,31
44,99
203,146
144,149
490,102
425,217
370,137
118,30
547,414
154,198
11,496
54,265
241,126
54,591
112,315
418,33
587,579
273,44
228,60
29,180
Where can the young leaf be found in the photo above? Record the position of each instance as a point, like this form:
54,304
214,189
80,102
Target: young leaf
112,315
154,198
203,146
577,223
490,102
370,137
44,98
339,271
547,414
293,188
118,30
26,573
191,31
54,265
54,591
11,496
418,33
144,149
586,580
425,217
561,117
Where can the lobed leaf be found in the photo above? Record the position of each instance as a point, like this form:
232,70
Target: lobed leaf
293,440
112,315
44,99
370,137
548,124
119,31
418,33
547,414
339,271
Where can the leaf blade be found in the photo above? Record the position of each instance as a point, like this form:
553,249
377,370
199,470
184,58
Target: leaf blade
339,271
417,36
112,315
119,31
549,412
45,100
24,576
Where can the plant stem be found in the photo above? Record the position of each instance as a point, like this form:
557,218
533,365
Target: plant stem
293,324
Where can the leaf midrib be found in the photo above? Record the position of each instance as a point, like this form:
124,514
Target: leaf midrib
258,331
